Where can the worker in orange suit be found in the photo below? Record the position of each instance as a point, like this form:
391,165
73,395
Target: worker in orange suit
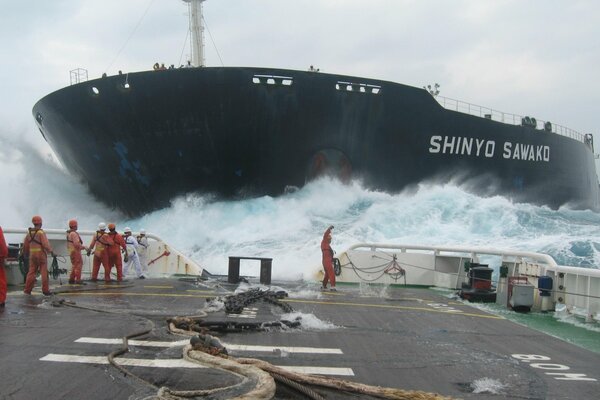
100,244
74,246
328,260
114,252
3,255
37,246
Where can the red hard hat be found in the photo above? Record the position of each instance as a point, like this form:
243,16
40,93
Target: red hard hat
36,220
111,226
73,223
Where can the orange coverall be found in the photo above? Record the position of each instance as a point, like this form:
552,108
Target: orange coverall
114,253
37,246
102,243
327,259
74,246
3,255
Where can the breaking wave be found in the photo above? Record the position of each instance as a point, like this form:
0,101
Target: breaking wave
289,228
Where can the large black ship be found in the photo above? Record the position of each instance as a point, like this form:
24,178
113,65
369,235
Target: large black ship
140,139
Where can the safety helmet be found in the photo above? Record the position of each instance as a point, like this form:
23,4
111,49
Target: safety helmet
36,220
127,230
101,226
73,224
111,226
142,231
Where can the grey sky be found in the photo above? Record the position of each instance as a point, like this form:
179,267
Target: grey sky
537,58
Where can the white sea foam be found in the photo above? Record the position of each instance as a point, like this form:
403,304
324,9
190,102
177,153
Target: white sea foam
488,385
309,321
289,228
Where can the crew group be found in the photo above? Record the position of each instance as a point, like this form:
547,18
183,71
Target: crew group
106,247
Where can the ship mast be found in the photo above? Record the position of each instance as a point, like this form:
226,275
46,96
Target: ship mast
197,28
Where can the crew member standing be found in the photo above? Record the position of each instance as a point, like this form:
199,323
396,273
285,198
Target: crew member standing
37,246
74,246
132,254
142,251
100,244
328,259
3,255
114,252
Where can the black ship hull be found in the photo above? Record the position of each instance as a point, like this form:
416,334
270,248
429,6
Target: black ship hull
139,140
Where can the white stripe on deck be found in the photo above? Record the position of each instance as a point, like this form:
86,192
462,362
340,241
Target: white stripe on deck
135,362
181,363
237,347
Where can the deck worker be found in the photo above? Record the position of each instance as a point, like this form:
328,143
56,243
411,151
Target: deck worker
36,245
114,252
132,254
3,255
142,251
100,244
74,246
328,260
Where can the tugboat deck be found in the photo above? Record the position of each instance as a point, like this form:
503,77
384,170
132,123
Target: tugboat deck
401,337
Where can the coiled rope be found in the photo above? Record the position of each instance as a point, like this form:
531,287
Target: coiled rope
298,381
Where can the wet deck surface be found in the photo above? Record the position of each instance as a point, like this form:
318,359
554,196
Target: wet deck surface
412,339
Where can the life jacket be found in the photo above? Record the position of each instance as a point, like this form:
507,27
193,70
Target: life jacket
70,245
38,246
102,244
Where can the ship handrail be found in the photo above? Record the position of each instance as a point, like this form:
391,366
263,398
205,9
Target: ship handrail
503,117
474,251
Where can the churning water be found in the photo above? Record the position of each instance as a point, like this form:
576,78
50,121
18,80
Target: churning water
289,228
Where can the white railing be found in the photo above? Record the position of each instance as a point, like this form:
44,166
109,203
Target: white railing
474,252
506,118
163,259
576,288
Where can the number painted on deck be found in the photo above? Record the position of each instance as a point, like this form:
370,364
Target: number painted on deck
562,376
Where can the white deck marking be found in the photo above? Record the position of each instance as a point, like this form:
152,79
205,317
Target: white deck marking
181,363
144,343
289,349
238,347
320,370
136,362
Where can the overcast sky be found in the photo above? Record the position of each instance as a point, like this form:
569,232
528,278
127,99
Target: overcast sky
538,58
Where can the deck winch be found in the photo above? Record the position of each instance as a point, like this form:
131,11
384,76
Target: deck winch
479,288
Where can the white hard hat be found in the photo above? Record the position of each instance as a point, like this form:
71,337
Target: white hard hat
142,231
101,226
127,230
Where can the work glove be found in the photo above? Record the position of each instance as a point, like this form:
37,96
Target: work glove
125,258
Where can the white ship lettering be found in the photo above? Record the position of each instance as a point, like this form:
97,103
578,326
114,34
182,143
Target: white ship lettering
462,146
528,152
477,147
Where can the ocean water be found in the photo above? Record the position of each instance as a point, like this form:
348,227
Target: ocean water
289,228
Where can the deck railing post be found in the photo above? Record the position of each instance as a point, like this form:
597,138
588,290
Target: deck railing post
233,275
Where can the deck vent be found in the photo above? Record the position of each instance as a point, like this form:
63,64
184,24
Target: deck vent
357,87
275,80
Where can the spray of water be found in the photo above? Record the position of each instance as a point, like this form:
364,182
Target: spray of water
289,228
